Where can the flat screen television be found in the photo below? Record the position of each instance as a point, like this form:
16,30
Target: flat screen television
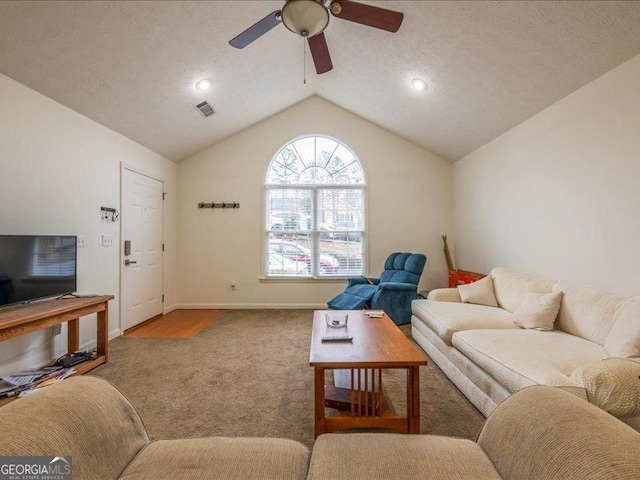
36,266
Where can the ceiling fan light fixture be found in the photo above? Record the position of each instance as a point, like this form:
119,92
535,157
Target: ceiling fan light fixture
306,18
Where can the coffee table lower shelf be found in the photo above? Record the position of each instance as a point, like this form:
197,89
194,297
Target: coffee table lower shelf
344,422
359,409
364,409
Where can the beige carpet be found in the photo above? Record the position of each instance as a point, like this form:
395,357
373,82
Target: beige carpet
248,374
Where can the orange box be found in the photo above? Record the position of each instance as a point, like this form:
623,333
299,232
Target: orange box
461,277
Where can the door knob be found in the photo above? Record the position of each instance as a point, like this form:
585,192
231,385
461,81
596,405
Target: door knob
129,262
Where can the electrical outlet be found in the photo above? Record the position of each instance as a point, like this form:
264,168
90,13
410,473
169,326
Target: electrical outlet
82,241
107,240
56,329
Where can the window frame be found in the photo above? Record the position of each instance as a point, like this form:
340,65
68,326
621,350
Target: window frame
314,232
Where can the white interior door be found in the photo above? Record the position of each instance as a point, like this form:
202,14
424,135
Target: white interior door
142,236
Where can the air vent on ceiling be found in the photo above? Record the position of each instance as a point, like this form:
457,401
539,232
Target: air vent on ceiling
205,109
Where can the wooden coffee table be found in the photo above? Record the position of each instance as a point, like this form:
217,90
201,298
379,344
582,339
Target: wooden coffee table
377,344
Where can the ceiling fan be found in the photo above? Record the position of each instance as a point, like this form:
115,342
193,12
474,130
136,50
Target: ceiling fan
309,18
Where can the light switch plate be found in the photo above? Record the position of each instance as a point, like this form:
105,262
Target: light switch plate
107,240
82,241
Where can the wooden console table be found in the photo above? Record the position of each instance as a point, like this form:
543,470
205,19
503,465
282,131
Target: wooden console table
26,318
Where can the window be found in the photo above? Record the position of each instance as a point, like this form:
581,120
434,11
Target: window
314,210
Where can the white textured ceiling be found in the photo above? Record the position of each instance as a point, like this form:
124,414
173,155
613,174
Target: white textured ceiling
132,66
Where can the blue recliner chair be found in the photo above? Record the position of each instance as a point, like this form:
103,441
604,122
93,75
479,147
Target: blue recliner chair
392,292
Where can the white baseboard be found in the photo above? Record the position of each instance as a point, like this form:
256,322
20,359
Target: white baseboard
92,343
170,308
252,306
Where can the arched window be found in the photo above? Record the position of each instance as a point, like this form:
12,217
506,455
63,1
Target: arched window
315,210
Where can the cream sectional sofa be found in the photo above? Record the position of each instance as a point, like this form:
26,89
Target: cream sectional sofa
488,357
92,425
88,419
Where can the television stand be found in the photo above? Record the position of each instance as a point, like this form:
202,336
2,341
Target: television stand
18,320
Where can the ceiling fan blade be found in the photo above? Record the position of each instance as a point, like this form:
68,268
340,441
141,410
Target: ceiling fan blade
320,53
257,30
369,15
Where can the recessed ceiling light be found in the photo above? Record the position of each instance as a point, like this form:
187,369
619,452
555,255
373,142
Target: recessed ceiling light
203,85
419,84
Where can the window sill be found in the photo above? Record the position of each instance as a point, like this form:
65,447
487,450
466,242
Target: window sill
303,279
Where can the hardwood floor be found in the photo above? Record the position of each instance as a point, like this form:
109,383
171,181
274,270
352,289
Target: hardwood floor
177,324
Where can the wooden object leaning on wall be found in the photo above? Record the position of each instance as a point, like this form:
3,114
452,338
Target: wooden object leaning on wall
458,277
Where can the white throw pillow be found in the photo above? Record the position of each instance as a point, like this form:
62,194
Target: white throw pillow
480,292
538,311
623,340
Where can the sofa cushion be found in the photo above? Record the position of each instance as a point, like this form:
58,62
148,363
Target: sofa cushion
623,339
479,292
383,456
479,387
587,312
220,458
538,310
612,384
446,318
511,287
84,417
520,358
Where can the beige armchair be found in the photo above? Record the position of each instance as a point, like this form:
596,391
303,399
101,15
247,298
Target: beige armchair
539,433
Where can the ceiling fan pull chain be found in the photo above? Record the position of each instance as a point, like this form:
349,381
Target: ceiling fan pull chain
304,61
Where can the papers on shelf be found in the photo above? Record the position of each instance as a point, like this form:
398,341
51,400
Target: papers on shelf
27,377
22,382
374,313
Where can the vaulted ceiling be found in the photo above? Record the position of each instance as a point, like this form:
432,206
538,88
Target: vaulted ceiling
132,66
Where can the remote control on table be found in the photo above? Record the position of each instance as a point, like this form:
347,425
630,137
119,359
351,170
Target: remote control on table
337,338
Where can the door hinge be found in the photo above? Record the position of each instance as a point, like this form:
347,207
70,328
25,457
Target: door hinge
162,298
164,195
163,247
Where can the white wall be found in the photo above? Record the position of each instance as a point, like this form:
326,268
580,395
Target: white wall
559,195
409,206
57,168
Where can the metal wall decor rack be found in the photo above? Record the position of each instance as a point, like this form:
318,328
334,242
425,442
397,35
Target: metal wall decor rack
219,205
109,214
